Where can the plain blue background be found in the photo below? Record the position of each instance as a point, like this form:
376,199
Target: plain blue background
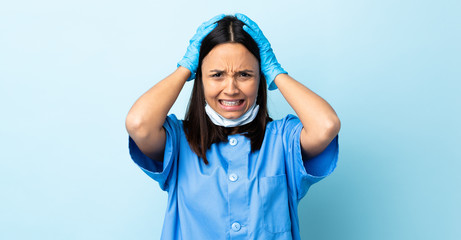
70,71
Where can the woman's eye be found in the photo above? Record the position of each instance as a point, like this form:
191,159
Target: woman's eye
216,75
245,75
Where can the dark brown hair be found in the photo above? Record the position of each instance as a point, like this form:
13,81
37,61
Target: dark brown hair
201,133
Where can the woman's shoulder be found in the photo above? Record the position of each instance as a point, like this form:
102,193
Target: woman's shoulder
173,119
288,122
172,123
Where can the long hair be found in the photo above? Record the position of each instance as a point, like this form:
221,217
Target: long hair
200,132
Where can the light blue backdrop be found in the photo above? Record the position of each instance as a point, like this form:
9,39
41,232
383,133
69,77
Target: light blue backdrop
70,71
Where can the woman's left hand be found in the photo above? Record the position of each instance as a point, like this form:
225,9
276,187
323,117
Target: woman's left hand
190,59
269,64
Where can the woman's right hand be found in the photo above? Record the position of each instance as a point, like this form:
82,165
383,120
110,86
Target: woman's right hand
190,59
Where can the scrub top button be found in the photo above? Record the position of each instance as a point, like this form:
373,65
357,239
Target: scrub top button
236,226
233,141
233,177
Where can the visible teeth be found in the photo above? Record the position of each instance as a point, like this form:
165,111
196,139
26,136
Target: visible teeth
230,103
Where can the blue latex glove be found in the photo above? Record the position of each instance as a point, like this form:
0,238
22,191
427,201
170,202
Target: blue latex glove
190,59
269,65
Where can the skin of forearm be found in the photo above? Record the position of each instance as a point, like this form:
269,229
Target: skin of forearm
317,116
148,113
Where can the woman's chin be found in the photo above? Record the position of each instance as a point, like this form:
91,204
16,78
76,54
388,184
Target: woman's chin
233,115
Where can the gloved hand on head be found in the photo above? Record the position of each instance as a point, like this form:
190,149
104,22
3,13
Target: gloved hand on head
269,64
190,59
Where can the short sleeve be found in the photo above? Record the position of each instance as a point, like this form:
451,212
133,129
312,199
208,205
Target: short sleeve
162,172
306,173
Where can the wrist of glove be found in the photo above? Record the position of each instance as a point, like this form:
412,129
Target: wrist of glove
271,69
271,73
185,62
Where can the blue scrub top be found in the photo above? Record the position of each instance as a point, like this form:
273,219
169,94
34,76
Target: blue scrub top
240,194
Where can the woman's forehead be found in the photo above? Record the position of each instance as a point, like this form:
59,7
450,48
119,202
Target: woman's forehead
230,55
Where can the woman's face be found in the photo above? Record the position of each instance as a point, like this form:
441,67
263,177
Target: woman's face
230,75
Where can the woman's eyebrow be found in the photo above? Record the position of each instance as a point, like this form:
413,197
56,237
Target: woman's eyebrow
219,71
246,70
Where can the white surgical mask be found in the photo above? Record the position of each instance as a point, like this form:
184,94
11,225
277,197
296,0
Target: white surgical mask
219,120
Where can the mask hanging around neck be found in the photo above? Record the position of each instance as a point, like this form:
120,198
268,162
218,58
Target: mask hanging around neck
219,120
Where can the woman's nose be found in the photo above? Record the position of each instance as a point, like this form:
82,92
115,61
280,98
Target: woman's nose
231,87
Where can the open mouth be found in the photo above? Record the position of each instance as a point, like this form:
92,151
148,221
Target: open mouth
231,103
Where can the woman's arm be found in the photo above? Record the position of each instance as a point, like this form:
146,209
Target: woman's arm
145,119
320,122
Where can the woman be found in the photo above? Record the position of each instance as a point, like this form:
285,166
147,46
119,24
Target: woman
229,170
